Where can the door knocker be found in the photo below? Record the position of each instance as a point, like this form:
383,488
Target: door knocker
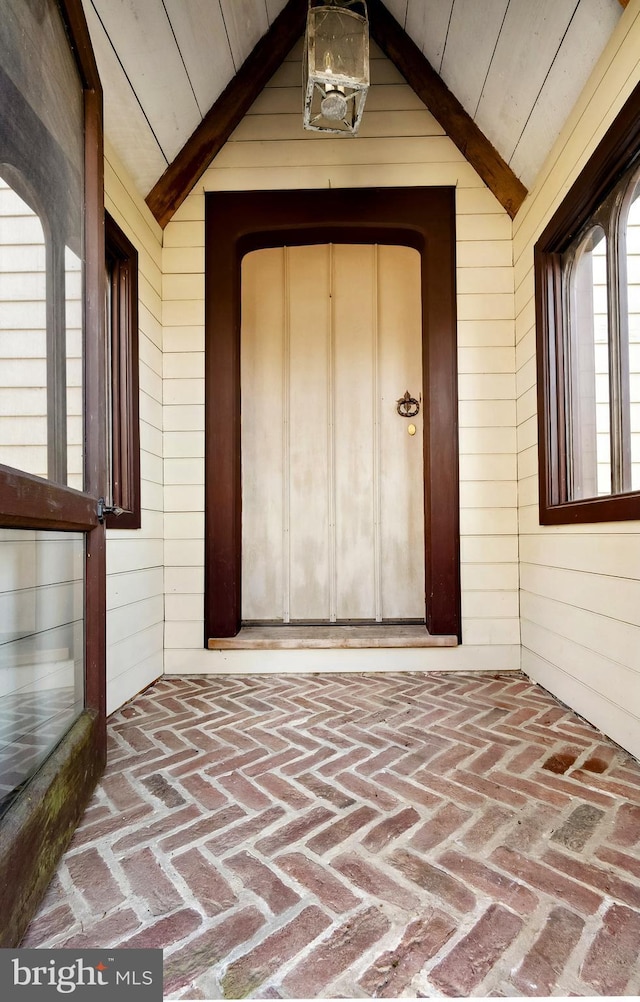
408,406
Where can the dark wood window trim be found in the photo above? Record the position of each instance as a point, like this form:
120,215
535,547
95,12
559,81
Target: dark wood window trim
122,278
239,222
38,827
616,154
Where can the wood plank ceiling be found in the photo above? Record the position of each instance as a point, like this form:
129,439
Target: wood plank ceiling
515,66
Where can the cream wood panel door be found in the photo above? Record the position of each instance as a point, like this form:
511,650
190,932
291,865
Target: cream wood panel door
332,482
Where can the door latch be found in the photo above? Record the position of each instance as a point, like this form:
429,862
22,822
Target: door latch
105,509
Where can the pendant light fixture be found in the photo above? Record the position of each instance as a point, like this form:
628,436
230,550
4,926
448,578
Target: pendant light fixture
336,65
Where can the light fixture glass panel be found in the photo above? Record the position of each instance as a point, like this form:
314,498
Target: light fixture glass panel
339,47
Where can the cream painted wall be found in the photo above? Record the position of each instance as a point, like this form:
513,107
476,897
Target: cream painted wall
580,586
400,144
135,557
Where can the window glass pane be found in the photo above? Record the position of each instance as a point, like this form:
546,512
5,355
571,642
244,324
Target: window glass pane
122,410
42,167
633,301
32,34
73,325
41,648
590,438
23,335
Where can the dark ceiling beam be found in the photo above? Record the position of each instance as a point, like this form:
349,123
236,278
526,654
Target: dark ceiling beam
445,108
227,112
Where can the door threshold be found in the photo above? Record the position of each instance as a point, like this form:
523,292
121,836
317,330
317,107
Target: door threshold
332,636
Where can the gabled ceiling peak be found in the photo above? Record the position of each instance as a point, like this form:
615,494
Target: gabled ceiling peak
228,110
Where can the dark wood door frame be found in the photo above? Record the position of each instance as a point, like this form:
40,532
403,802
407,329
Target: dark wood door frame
239,222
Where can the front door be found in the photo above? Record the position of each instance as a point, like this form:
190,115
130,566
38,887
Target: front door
237,223
332,473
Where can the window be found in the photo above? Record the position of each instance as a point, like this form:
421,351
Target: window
123,426
587,267
42,388
52,469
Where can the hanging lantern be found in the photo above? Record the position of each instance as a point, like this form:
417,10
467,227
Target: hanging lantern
336,65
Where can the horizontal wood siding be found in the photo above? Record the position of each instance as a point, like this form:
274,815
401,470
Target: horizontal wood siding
580,584
135,557
400,144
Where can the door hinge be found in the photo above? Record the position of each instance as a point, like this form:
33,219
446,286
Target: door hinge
105,509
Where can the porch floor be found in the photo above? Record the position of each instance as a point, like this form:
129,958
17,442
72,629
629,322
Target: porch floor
356,836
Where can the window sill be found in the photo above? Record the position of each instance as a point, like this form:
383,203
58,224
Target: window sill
614,508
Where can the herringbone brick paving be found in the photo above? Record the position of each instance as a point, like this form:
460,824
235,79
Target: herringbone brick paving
356,836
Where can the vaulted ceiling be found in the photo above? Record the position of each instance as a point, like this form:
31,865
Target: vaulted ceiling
507,73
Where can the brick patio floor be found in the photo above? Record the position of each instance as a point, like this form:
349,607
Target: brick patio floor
358,836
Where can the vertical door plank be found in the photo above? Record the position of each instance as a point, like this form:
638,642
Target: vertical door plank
309,323
354,366
263,368
401,486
